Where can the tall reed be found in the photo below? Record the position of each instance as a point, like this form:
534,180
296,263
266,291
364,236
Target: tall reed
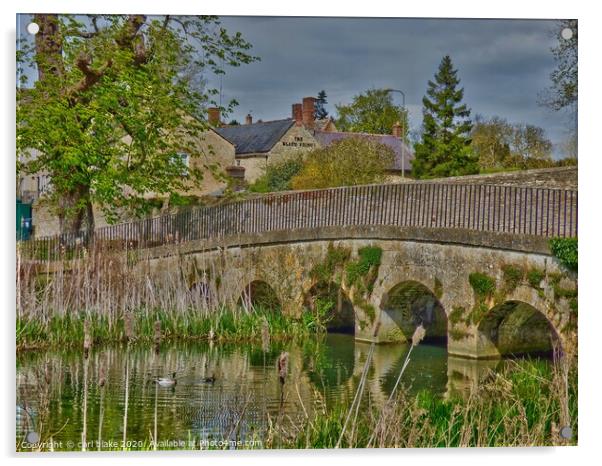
521,406
121,300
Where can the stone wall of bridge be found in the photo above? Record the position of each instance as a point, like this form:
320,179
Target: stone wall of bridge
559,177
524,298
494,208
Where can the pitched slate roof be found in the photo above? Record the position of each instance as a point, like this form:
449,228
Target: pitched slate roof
256,137
400,149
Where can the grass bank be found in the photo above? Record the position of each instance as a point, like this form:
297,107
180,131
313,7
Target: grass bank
220,324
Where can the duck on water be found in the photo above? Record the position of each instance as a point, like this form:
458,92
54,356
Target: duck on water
171,381
167,381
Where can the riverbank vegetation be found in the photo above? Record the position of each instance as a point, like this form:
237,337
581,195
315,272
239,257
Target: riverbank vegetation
220,324
123,301
525,404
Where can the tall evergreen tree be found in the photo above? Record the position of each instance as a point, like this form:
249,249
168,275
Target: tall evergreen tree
320,111
444,149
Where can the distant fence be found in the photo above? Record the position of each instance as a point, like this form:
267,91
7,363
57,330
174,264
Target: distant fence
505,209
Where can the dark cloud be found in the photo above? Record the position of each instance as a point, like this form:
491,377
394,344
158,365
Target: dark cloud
503,64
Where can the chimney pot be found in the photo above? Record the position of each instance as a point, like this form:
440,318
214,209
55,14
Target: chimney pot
309,108
397,129
213,115
298,114
248,119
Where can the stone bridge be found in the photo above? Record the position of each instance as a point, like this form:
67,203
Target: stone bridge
470,262
487,294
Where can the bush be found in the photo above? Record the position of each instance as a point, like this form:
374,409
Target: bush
277,175
565,250
348,162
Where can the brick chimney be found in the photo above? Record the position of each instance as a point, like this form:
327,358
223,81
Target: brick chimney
309,107
248,119
397,129
213,116
237,176
298,114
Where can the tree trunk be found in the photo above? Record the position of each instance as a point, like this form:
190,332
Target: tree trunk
76,211
49,46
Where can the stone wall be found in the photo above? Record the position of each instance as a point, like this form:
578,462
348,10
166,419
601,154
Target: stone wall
215,151
46,223
560,177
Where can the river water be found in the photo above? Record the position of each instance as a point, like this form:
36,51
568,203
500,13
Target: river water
61,397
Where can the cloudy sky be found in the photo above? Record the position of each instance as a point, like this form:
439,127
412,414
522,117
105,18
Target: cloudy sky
503,64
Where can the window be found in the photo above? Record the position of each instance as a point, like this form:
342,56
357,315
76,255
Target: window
185,157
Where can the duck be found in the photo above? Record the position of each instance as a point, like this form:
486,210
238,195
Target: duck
167,381
209,379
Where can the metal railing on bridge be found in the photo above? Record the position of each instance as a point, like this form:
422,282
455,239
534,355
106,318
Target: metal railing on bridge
505,209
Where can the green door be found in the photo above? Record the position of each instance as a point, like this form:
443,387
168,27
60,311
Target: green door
24,221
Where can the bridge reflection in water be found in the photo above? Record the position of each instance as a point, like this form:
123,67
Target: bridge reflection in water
61,390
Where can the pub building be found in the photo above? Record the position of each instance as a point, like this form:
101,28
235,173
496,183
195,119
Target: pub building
243,151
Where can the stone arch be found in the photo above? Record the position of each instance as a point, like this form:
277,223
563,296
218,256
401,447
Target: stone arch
407,305
516,327
258,294
329,298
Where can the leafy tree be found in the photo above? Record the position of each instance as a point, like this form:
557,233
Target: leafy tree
491,142
116,104
320,110
563,92
499,145
233,122
530,143
371,112
444,149
350,161
277,176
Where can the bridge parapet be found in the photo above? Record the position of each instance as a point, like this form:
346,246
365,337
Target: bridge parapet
511,210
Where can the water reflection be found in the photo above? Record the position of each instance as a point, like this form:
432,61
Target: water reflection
112,395
464,375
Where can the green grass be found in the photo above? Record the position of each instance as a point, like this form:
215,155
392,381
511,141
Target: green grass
233,325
